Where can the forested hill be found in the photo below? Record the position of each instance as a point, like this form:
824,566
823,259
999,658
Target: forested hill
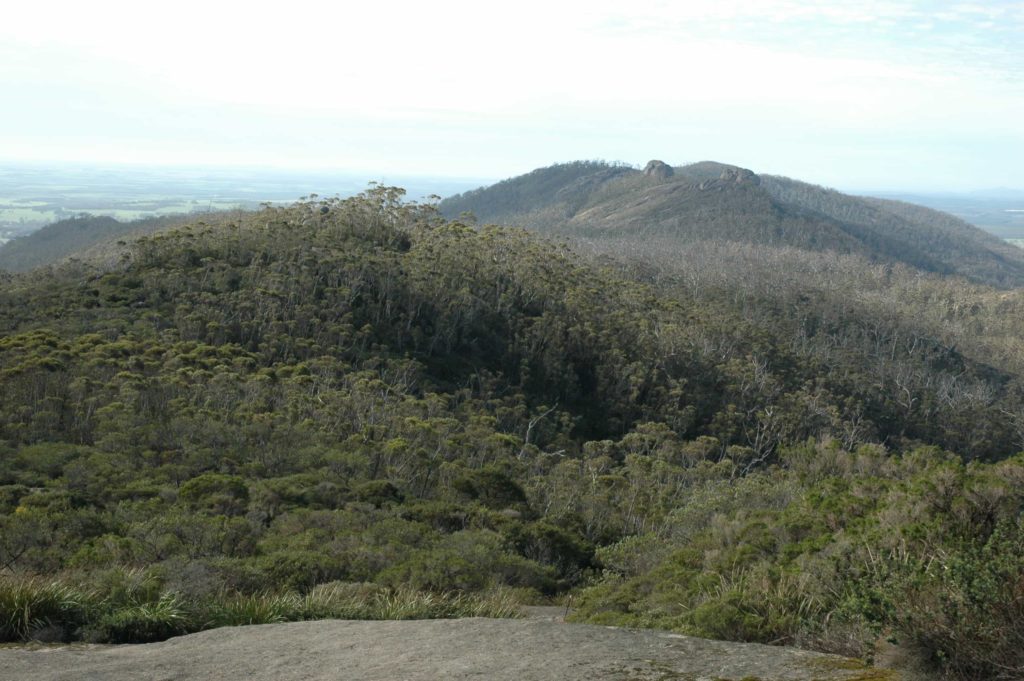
374,280
76,236
715,202
343,408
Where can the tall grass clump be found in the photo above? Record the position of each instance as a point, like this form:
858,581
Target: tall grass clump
142,622
369,602
232,609
755,605
29,606
129,606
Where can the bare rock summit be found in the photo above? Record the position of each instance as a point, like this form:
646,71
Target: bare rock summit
659,170
427,650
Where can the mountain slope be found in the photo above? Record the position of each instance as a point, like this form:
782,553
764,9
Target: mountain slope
66,238
297,285
314,409
710,201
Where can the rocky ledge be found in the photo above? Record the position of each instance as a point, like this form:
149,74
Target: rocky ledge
497,650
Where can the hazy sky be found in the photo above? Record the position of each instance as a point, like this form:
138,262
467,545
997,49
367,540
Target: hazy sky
857,95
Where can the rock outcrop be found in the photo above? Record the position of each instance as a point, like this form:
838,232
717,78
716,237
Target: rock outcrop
731,177
659,170
499,650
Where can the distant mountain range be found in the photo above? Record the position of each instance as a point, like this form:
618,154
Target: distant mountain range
658,209
711,201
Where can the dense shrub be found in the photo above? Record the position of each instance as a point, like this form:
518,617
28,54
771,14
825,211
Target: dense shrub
964,609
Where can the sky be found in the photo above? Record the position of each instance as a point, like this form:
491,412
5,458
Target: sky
894,95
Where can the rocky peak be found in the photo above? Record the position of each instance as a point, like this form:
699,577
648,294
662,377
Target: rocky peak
658,169
731,176
740,176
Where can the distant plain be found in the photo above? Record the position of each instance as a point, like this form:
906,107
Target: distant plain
34,195
999,211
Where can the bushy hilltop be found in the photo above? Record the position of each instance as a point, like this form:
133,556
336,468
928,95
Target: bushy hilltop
76,236
710,201
244,410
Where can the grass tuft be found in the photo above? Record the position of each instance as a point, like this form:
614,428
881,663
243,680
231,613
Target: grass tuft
129,609
30,605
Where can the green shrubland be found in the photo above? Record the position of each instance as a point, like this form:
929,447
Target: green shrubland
355,408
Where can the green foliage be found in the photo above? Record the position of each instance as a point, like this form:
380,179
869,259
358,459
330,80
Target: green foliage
141,622
491,487
963,609
353,408
471,561
300,570
29,606
927,552
130,607
258,608
549,544
222,494
377,492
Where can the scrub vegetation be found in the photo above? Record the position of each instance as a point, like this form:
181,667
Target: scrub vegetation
359,408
